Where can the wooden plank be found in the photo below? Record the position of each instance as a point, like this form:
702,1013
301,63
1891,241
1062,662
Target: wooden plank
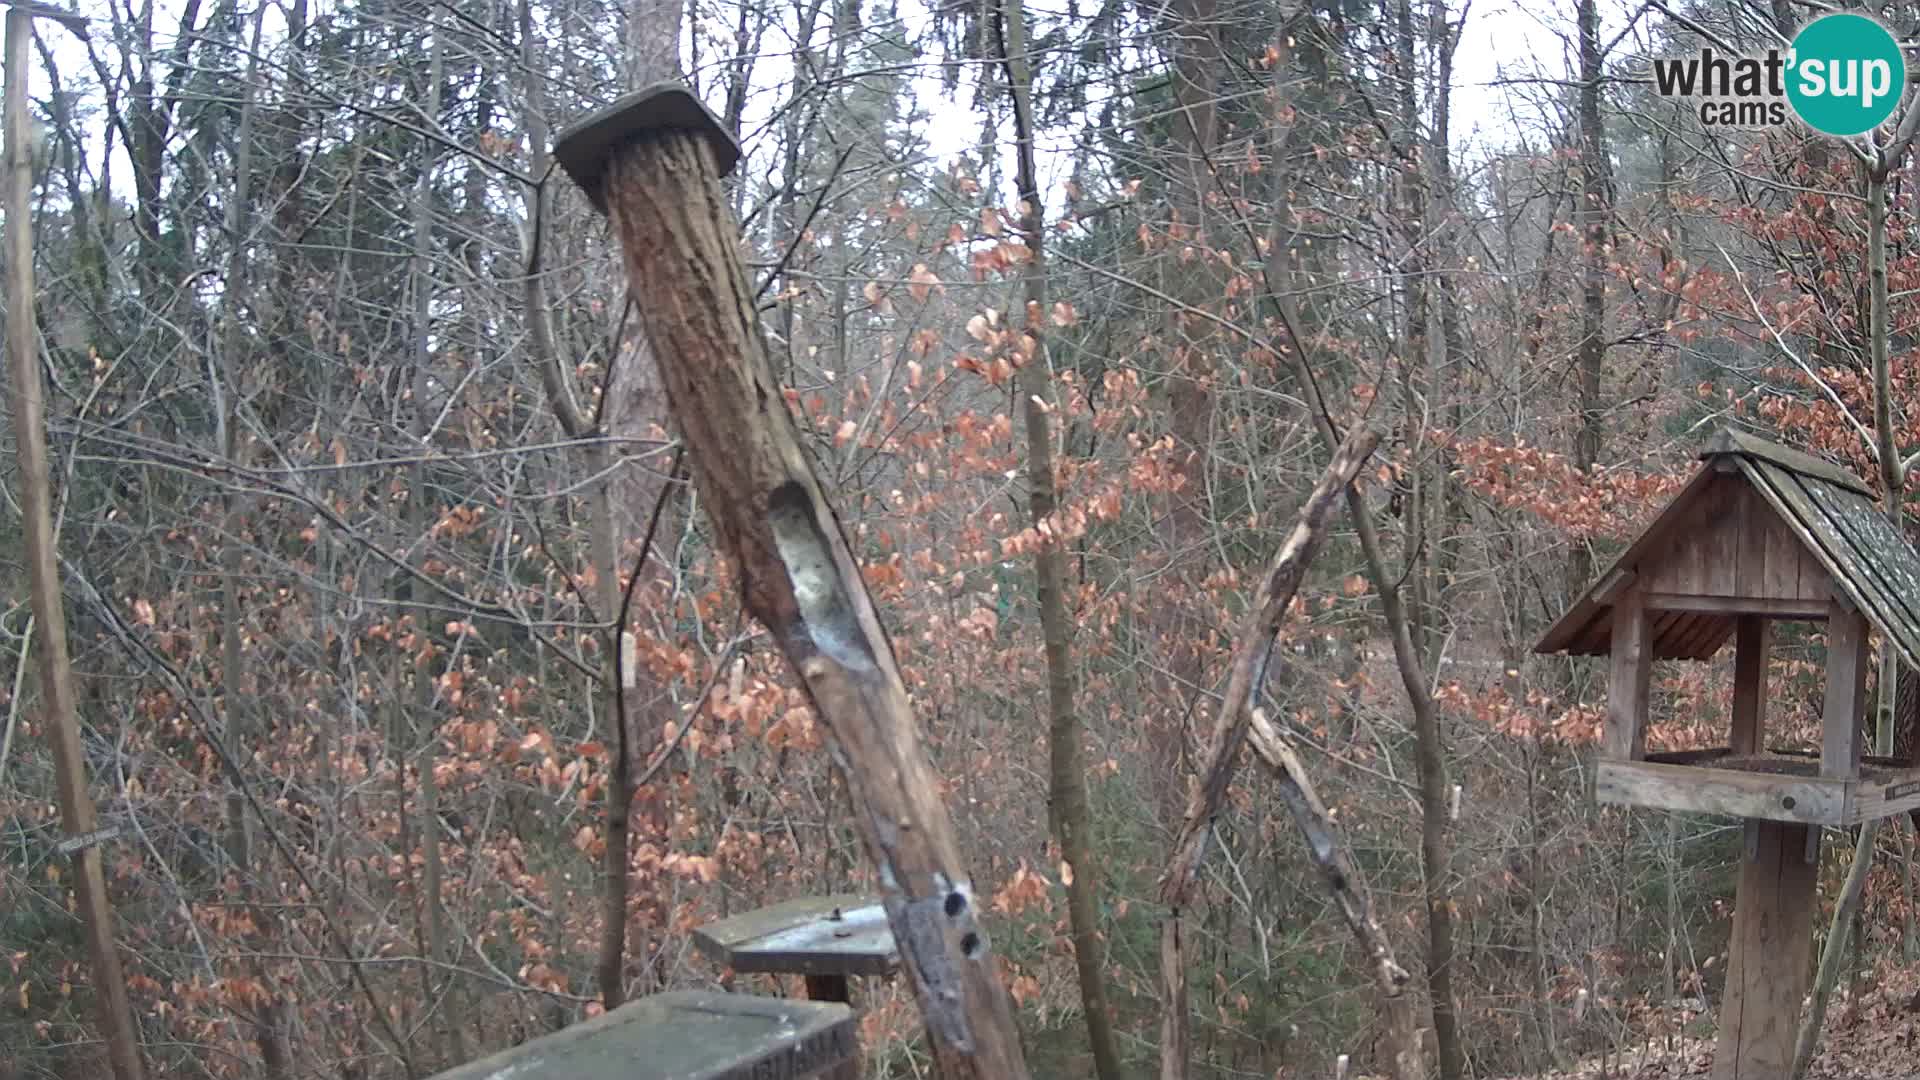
1789,562
1755,521
1769,951
1575,625
1632,668
688,1035
1696,632
1611,584
1732,441
1846,696
1728,792
1721,632
1709,632
1700,756
1751,641
1772,608
1718,539
1803,520
1683,563
820,935
1895,794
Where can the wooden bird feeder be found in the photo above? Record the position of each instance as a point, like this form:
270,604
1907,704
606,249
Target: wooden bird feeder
688,1035
1761,534
825,939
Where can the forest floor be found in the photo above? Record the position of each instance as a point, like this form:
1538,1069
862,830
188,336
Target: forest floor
1874,1037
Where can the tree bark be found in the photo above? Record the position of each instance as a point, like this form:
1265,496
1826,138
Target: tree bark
1431,763
1197,61
49,612
1252,652
799,577
635,412
1072,820
425,696
1595,215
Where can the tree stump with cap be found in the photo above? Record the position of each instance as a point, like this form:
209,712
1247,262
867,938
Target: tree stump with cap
653,162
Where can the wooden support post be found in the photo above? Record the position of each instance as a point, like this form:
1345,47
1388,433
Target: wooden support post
1752,637
829,988
43,573
1769,952
1840,721
654,161
1632,670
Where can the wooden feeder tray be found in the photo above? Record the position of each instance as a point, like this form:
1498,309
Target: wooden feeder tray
688,1035
1780,785
817,935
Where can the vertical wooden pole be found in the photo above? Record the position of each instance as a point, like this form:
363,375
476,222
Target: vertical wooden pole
36,511
1631,672
1752,637
1840,731
1767,965
829,988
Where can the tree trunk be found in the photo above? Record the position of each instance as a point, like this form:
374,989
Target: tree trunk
49,610
1253,649
1067,785
799,578
635,414
425,698
1197,61
1595,215
268,1015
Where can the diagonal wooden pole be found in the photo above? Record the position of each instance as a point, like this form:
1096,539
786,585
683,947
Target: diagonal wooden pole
653,161
36,508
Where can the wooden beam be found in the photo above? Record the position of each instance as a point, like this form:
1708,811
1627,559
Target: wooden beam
1698,789
1808,610
1768,953
1751,640
1632,668
1897,794
1847,660
1731,441
772,517
1610,586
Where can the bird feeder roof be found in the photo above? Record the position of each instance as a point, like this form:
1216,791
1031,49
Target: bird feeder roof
1760,530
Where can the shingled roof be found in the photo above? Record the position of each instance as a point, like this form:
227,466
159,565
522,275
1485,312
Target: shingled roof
1828,512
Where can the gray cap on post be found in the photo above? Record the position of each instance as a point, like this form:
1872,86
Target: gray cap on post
585,146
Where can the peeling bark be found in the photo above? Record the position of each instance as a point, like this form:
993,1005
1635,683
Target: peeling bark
799,577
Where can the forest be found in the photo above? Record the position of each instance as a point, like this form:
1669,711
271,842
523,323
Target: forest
1219,400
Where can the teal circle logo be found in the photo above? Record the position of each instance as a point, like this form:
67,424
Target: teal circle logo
1847,76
